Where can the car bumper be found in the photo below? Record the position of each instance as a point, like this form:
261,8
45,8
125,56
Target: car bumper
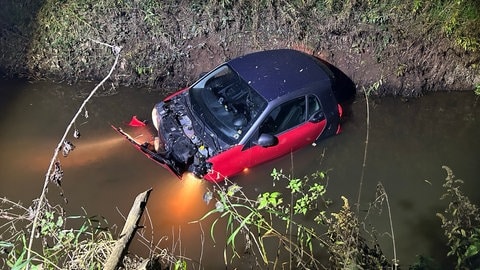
148,149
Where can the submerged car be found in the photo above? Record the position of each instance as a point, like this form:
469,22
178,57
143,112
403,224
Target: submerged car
245,112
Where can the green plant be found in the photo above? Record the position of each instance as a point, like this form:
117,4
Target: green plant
468,43
346,246
461,224
458,20
150,9
417,5
59,244
144,70
477,89
373,88
261,219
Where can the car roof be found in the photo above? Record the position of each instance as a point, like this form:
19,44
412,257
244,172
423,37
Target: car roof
276,73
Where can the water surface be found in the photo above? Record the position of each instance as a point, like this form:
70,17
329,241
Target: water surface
408,143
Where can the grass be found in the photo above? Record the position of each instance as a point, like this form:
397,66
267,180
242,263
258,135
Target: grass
160,35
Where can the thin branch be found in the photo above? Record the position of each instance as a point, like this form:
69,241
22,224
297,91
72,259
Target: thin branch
116,50
384,194
364,152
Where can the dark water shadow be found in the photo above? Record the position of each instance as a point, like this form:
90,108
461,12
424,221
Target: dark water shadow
345,90
18,21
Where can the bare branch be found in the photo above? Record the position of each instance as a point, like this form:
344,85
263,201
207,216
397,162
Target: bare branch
116,50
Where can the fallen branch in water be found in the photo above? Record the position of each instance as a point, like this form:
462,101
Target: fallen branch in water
129,229
54,168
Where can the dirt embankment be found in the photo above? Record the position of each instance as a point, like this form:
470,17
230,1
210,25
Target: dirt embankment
167,45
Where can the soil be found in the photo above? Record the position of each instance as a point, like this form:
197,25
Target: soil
171,48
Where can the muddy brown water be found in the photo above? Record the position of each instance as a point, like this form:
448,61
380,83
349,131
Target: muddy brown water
408,144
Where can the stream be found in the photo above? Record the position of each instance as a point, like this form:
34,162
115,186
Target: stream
408,143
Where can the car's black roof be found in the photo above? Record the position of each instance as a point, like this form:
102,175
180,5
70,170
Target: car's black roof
275,73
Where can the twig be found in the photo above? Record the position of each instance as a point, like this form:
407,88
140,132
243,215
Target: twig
395,261
380,198
116,50
364,152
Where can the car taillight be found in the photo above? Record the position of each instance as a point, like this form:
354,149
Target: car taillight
340,110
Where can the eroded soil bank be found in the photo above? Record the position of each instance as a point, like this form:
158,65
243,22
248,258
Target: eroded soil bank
389,48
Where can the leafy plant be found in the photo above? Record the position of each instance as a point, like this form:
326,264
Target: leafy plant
262,220
347,248
477,89
458,21
373,88
461,224
144,70
417,5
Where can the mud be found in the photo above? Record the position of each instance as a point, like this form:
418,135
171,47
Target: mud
167,45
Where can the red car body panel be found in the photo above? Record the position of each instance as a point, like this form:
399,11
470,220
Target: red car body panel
236,159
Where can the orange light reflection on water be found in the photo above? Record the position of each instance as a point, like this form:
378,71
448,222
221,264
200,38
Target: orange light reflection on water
88,152
180,201
85,153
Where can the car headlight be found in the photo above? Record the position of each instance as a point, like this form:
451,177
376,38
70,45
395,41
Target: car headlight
155,117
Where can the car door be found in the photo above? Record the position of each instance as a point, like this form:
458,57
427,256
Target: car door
292,124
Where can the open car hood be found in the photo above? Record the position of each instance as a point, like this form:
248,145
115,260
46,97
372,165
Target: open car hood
183,141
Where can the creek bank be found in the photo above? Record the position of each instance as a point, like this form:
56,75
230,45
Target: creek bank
167,45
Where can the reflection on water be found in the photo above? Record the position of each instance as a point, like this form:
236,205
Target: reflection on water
409,142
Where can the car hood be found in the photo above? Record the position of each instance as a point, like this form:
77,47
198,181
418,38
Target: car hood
184,139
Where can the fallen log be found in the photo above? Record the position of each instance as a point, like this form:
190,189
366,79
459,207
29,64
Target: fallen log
128,231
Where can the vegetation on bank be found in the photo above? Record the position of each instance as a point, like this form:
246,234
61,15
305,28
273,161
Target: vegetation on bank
331,239
349,241
416,45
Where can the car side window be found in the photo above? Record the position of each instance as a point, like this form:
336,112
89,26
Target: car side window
314,106
285,116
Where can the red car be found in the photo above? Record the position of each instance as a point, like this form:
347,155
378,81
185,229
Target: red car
247,111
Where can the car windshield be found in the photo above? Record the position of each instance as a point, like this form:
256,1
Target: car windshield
226,103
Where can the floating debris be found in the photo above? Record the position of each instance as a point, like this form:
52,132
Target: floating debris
57,175
135,122
76,134
67,148
207,197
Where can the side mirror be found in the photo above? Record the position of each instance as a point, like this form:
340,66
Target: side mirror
267,140
317,117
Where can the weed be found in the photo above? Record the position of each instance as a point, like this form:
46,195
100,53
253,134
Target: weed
260,220
458,21
401,70
416,6
477,89
373,88
82,248
347,248
461,224
468,43
264,219
144,70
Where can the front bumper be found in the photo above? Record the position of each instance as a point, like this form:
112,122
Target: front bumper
149,150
